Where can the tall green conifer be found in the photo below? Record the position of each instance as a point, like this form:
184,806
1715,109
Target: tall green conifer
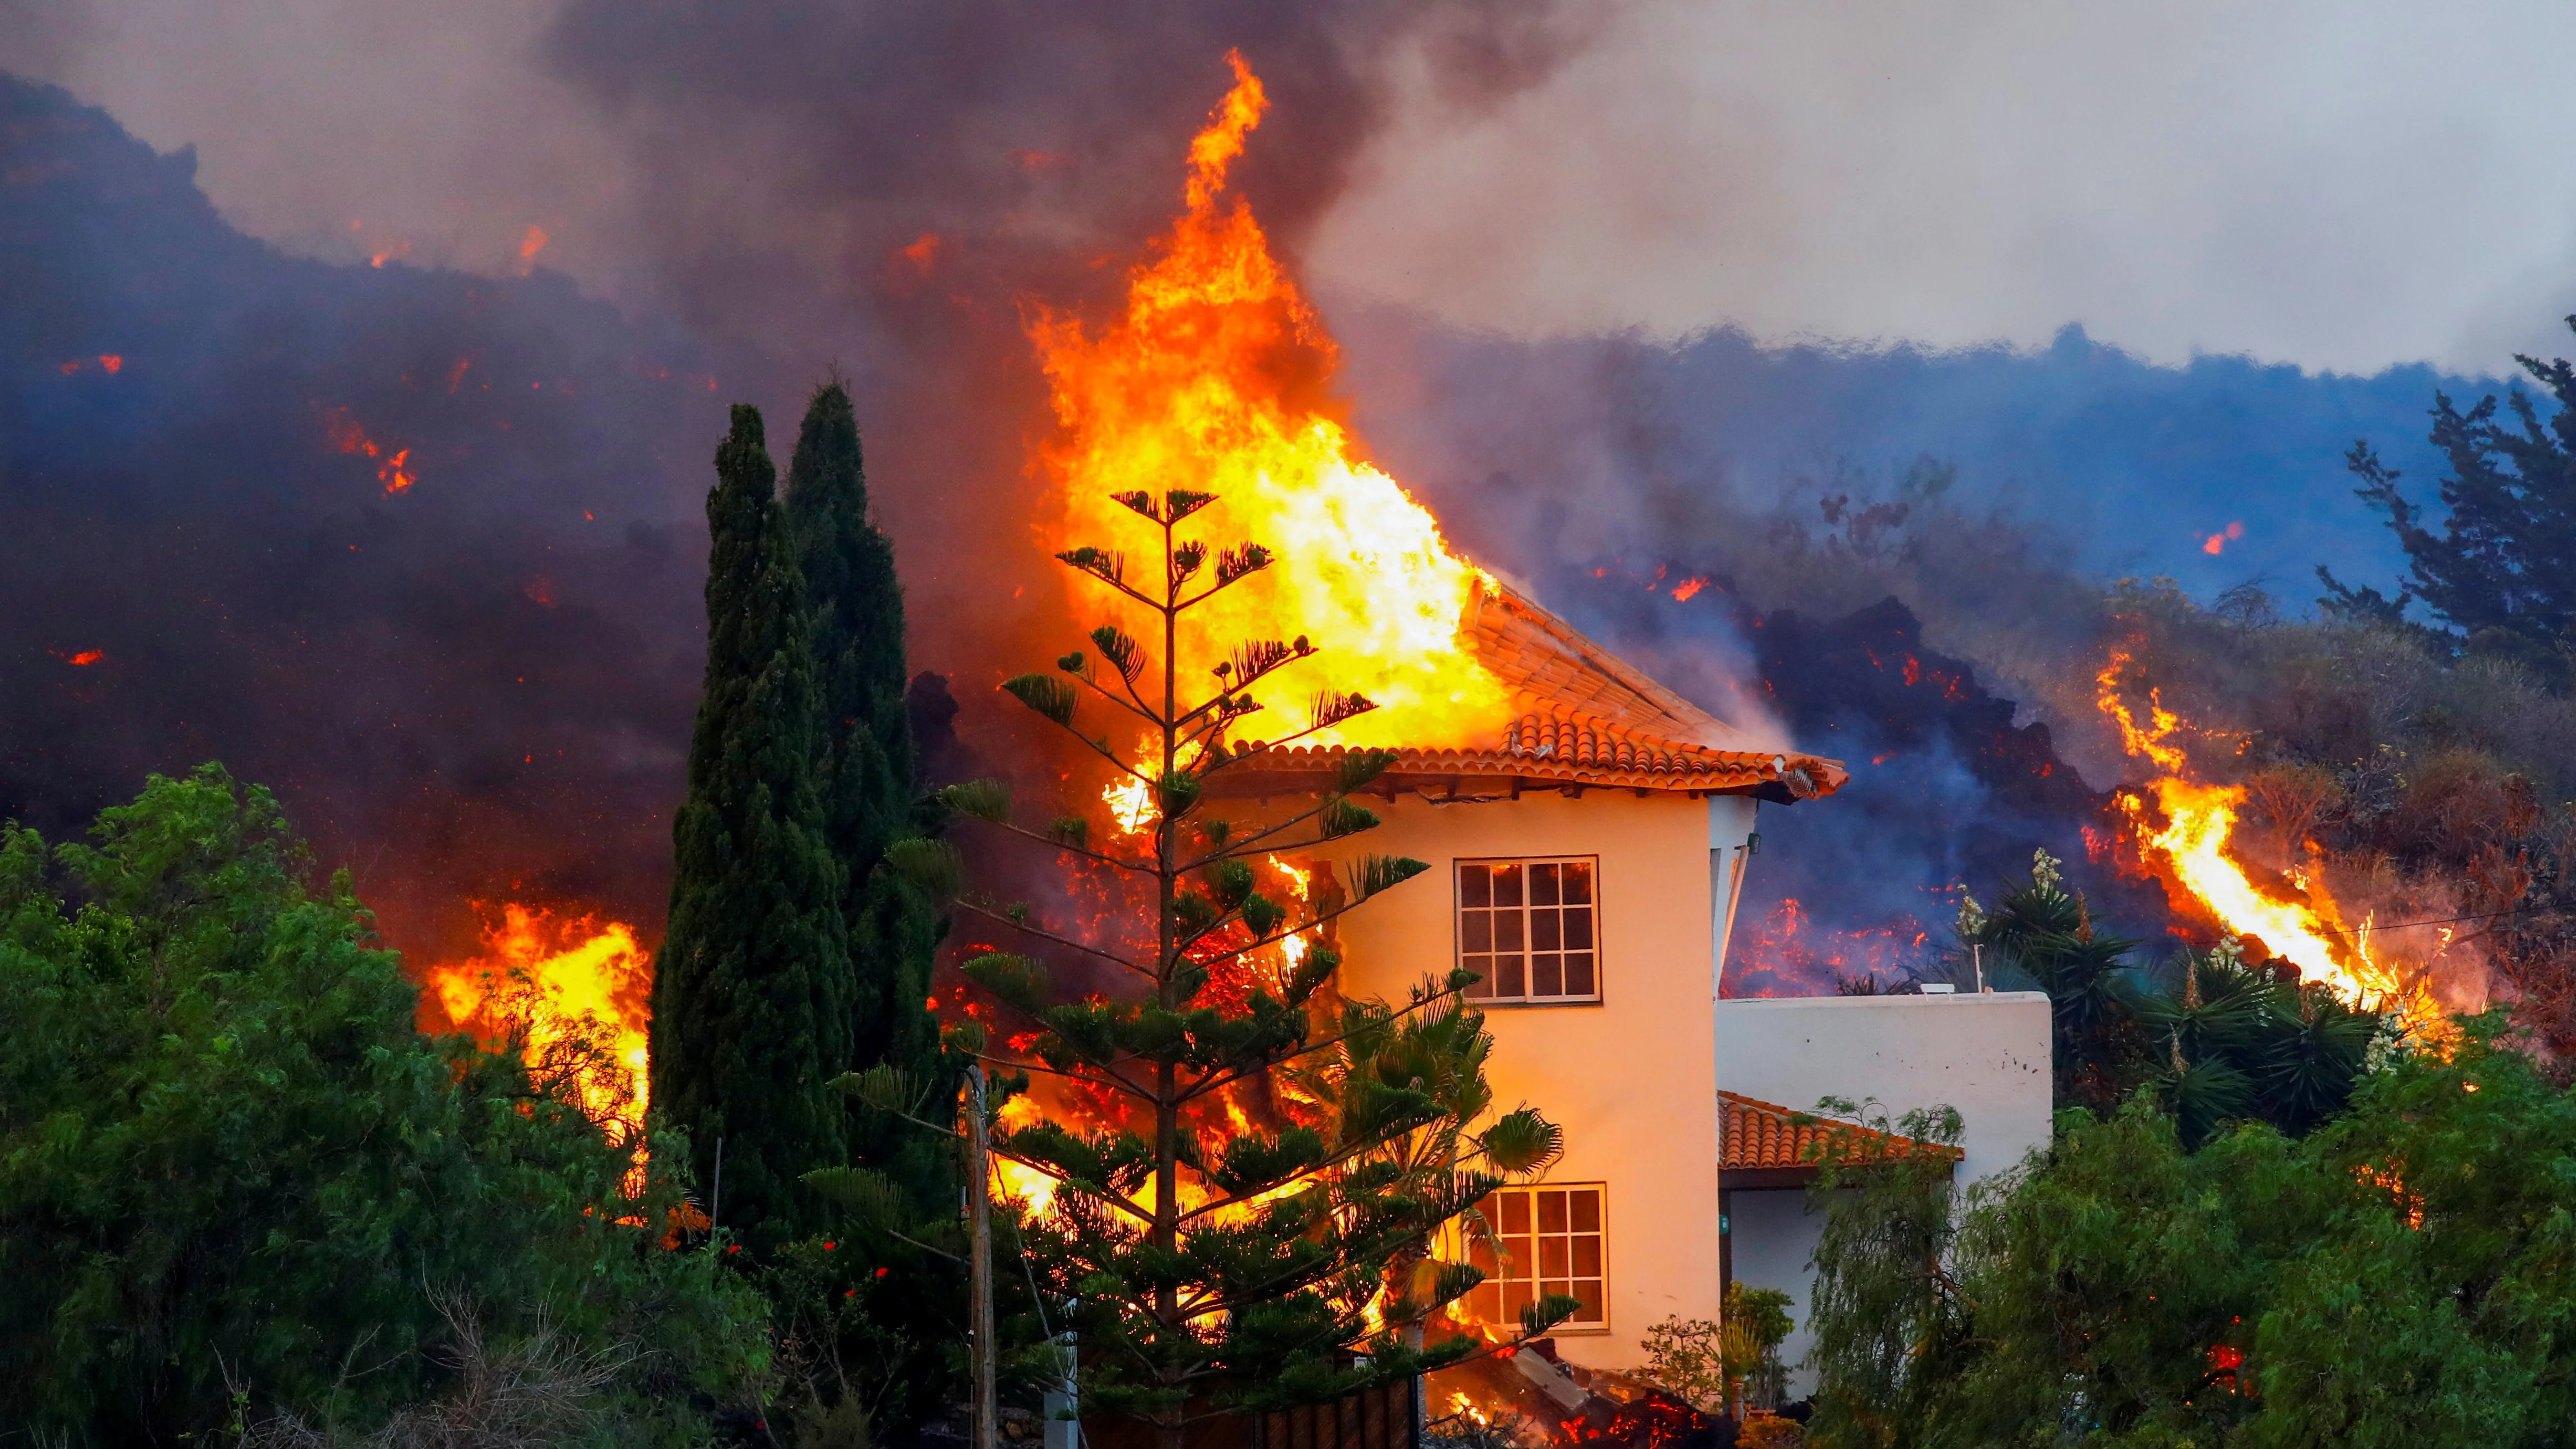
751,994
864,767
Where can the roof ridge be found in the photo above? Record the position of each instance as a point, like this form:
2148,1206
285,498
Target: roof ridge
1708,730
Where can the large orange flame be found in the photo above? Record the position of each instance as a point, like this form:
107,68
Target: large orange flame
1213,378
2191,848
558,979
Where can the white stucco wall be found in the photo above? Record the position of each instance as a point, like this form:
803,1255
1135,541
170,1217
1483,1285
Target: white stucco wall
1631,1079
1987,1055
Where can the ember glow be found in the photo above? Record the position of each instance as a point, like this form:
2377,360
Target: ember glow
2298,921
556,979
393,468
1213,378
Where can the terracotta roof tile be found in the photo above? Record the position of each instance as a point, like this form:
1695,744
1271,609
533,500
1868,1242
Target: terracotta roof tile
1758,1134
1588,719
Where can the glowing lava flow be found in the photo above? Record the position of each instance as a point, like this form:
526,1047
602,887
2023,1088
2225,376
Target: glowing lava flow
2192,846
559,980
1213,378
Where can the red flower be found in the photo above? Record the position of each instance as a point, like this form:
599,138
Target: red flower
881,1272
827,1247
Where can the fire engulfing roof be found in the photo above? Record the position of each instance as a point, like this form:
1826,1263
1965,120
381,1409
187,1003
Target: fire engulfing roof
1588,719
1765,1137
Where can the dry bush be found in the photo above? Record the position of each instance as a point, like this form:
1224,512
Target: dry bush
538,1391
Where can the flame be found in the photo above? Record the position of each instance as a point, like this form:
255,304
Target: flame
349,437
554,977
529,245
1131,804
2191,849
391,252
81,659
1213,378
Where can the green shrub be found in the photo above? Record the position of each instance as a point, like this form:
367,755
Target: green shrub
235,1182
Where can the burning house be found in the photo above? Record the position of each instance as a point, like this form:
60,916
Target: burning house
1586,863
1588,830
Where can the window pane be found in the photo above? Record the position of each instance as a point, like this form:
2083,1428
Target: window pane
1515,1219
1547,976
1475,886
1508,980
1578,882
1587,1210
1507,930
1578,976
1476,931
1551,1212
1483,966
1587,1257
1546,932
1480,1256
1542,885
1507,885
1515,1297
1590,1312
1554,1258
1578,927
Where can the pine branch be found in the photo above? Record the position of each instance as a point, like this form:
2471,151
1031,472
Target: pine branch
1057,842
1103,1192
1044,934
1214,1081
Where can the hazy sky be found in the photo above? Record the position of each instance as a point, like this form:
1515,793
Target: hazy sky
2339,185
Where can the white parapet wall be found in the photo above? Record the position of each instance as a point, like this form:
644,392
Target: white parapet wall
1986,1055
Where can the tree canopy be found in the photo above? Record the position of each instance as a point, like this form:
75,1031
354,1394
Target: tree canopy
752,989
2401,1276
2502,568
235,1182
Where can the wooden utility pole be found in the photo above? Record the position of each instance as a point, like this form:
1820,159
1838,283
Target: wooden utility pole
979,1222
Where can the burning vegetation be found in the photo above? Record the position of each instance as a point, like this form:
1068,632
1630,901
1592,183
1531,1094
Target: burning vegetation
570,992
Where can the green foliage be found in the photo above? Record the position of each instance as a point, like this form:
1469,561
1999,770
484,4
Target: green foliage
753,996
1712,1365
2503,566
228,1161
884,1346
2231,1042
1884,1311
2401,1276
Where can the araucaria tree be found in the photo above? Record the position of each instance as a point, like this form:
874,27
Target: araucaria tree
1221,1247
752,989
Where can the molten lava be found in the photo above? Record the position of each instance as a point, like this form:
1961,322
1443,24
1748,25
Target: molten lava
557,982
1213,378
2190,849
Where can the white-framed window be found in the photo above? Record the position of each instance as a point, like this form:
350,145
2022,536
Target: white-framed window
1554,1239
1531,928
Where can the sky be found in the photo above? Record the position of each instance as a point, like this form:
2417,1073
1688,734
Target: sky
2337,186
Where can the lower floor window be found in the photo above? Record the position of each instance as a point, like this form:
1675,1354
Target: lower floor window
1551,1241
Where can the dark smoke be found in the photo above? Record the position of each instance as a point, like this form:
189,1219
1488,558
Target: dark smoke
481,688
478,687
473,689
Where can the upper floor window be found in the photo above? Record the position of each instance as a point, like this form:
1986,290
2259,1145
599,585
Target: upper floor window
1528,928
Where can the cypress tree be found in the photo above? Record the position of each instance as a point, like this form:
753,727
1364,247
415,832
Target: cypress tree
751,993
864,768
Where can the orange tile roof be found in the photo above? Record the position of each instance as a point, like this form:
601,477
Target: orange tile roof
1758,1134
1589,719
